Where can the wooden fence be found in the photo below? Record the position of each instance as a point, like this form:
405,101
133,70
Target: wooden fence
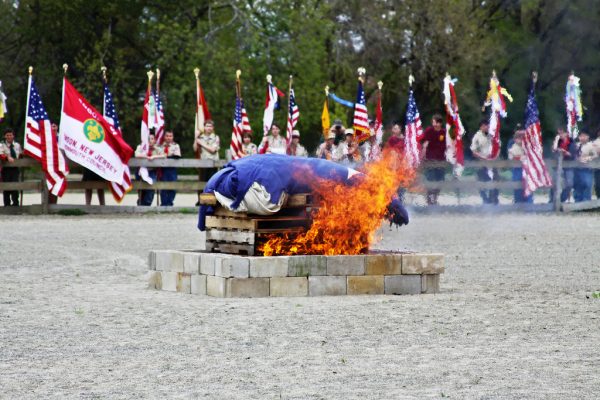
467,183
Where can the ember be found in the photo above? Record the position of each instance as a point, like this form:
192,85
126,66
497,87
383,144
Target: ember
348,216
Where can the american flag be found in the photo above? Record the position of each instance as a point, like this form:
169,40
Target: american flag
110,115
361,118
160,120
413,130
535,174
241,124
293,114
42,145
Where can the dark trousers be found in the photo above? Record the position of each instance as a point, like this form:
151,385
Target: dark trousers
10,174
488,196
168,196
434,175
519,194
582,189
597,183
147,196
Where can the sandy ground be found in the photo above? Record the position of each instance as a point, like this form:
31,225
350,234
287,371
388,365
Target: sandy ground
513,320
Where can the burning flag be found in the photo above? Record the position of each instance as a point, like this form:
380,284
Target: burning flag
495,100
454,146
574,107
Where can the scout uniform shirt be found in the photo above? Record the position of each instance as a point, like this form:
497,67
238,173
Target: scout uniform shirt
13,150
482,144
152,151
300,151
209,140
249,149
516,152
276,145
587,152
171,150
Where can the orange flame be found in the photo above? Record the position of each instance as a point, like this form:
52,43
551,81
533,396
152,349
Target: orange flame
348,216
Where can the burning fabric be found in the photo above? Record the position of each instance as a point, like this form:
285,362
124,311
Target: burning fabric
352,204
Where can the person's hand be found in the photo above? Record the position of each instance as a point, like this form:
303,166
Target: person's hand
10,159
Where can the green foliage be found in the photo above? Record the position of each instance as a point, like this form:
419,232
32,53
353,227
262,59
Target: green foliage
318,42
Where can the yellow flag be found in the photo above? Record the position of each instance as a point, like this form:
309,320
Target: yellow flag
325,120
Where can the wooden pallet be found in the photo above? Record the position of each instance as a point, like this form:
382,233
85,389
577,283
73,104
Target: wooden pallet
242,233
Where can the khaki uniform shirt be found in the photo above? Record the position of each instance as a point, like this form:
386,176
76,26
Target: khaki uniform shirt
516,152
5,149
277,145
209,140
341,152
156,150
587,152
300,151
172,150
321,151
482,144
249,149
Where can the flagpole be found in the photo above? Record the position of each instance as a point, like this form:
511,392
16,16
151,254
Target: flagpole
289,134
326,131
30,70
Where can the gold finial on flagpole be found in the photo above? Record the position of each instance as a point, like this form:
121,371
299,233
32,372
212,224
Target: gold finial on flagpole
65,67
380,85
150,75
238,73
30,69
269,78
327,91
361,74
534,77
494,74
411,80
103,69
197,72
157,74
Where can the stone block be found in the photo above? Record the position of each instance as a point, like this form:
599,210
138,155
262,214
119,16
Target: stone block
430,284
307,266
184,283
154,280
326,285
267,267
169,281
289,287
198,284
152,261
383,264
168,260
235,267
402,284
367,284
417,264
191,262
209,261
248,287
216,286
345,265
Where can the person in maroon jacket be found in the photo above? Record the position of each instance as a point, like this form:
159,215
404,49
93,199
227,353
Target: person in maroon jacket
434,149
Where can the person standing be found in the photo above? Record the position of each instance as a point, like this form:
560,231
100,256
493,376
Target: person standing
248,148
327,148
295,148
516,152
584,177
154,152
434,149
10,152
273,143
481,147
169,174
566,146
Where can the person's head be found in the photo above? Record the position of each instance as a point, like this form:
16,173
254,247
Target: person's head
518,137
584,137
337,124
247,138
397,129
151,139
168,139
330,137
349,134
437,121
295,136
9,136
275,129
209,127
484,125
54,128
562,133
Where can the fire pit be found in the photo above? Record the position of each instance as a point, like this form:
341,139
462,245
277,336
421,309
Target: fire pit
228,275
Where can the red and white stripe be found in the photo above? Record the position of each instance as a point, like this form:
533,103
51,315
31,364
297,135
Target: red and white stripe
454,147
535,173
160,121
413,135
145,133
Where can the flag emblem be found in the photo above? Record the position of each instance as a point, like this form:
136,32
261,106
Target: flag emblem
93,131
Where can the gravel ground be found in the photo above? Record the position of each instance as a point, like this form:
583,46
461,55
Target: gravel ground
513,320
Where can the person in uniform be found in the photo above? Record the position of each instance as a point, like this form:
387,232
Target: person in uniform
295,148
327,148
169,174
565,146
248,148
584,177
10,151
206,146
516,152
273,143
481,147
434,149
154,152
